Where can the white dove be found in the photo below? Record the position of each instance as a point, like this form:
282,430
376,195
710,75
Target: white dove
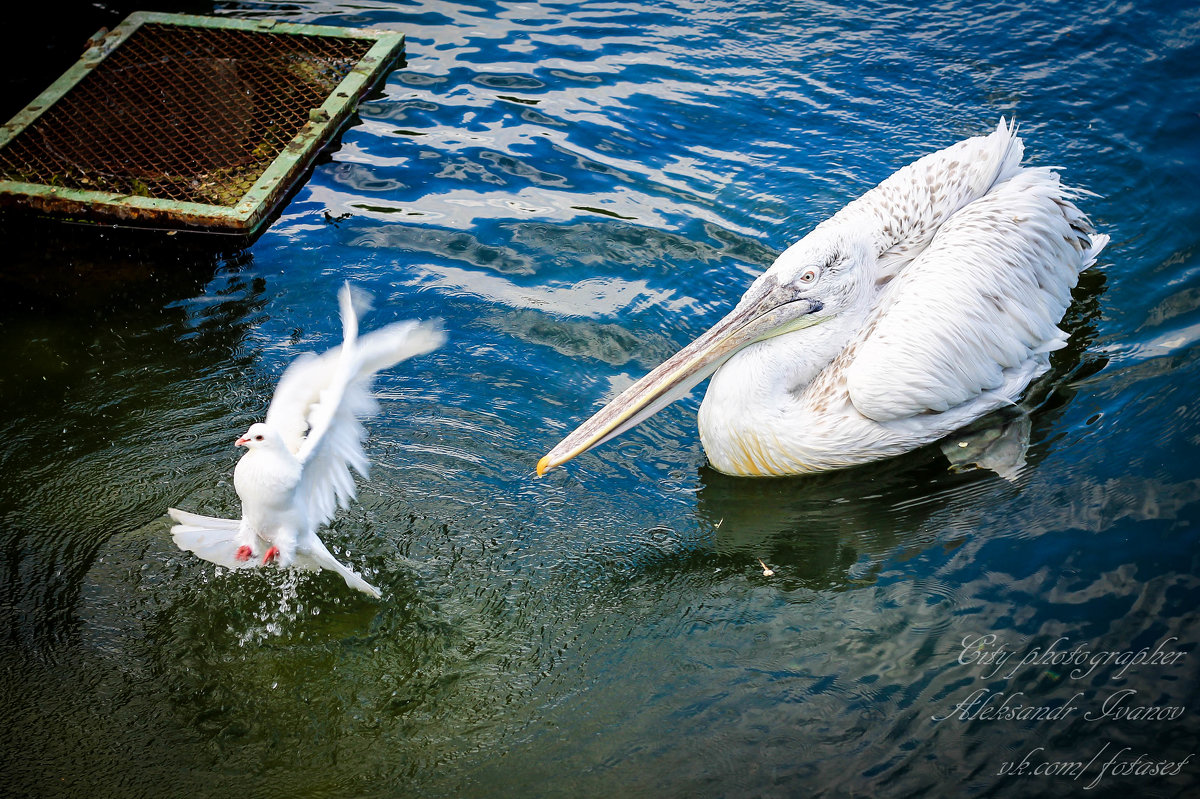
296,471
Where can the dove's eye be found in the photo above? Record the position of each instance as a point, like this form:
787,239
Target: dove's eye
258,438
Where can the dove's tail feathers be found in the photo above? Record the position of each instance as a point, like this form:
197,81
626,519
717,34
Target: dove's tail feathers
316,556
208,537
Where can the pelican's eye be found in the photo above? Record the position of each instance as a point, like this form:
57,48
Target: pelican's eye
808,276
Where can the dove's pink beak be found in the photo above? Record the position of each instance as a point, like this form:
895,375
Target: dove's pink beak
241,442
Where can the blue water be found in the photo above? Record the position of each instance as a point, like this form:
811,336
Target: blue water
578,189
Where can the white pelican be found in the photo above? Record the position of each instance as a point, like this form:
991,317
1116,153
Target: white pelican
928,302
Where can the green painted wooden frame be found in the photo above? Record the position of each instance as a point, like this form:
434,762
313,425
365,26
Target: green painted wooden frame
258,203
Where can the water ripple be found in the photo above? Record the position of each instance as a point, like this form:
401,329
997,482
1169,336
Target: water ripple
578,189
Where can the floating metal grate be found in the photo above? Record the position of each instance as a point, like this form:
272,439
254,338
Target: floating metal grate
189,122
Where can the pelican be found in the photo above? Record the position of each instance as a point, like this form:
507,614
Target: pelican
928,302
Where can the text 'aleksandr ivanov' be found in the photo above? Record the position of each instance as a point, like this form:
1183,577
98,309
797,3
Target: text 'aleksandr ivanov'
998,662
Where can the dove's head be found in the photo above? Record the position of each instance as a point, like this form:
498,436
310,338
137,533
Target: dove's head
258,436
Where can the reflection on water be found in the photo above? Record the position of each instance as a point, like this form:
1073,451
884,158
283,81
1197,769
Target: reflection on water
577,190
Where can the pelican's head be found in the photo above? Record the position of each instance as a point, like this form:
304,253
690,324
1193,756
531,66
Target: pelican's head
826,267
259,436
818,278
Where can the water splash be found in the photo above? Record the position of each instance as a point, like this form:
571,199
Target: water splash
280,615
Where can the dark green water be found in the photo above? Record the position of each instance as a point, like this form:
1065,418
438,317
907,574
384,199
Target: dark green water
578,189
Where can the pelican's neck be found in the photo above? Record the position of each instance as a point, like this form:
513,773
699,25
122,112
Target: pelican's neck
769,373
744,420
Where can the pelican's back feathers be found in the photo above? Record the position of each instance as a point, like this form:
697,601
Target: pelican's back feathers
982,303
902,213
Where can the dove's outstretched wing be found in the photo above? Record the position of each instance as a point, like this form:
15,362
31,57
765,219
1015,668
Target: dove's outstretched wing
310,375
321,400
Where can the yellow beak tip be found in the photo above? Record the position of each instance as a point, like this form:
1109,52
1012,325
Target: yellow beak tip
543,465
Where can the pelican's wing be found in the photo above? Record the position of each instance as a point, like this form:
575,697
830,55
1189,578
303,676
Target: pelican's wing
985,297
333,445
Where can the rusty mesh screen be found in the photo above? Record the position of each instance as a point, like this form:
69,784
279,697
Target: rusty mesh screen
182,113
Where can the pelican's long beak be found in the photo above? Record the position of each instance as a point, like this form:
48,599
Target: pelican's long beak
767,310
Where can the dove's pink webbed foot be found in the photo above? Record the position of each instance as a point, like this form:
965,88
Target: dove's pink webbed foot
243,553
272,553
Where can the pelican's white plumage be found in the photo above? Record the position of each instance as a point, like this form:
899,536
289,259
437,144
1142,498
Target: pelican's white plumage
297,468
928,302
